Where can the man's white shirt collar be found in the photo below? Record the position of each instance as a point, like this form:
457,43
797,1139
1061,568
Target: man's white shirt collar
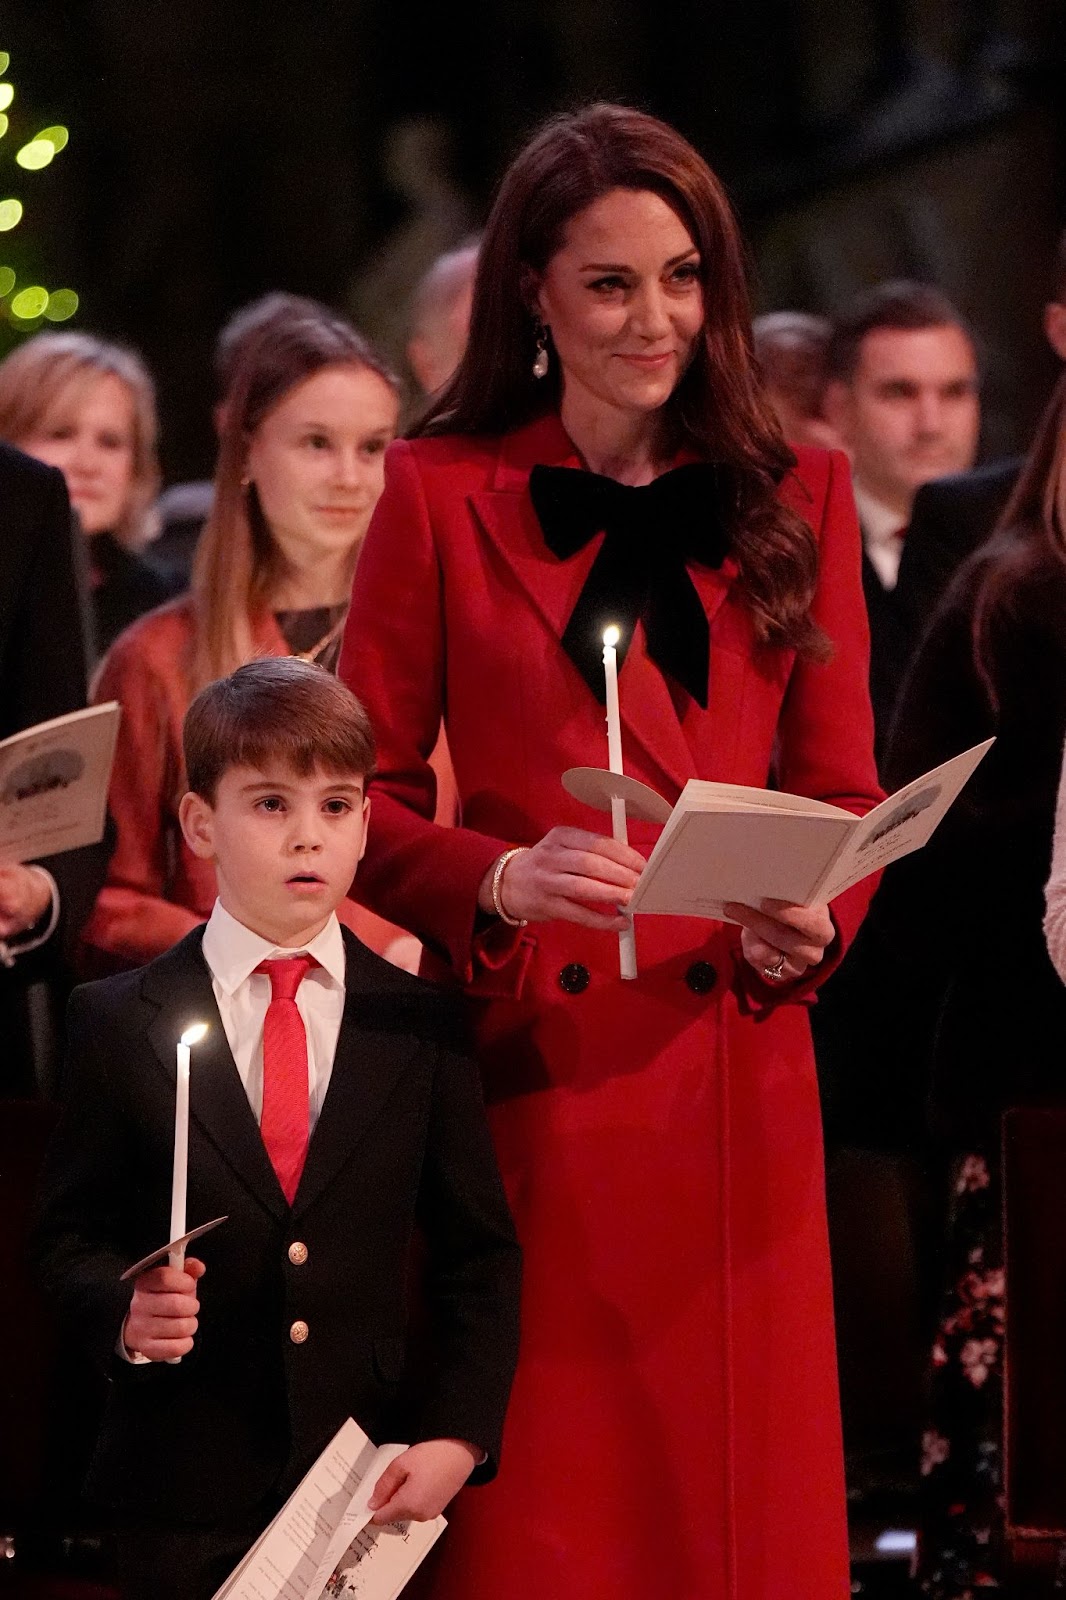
233,951
881,529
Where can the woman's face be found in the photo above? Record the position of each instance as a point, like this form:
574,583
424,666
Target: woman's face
92,443
624,302
318,461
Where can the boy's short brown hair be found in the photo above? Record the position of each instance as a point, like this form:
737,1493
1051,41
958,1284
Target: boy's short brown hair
275,709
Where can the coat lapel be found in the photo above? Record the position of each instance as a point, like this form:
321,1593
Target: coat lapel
178,986
374,1049
505,513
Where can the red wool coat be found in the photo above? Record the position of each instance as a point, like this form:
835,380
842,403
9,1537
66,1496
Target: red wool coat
674,1427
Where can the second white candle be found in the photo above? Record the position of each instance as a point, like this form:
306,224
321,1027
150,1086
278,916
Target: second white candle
627,944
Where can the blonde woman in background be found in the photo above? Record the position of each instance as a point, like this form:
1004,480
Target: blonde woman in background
88,408
300,469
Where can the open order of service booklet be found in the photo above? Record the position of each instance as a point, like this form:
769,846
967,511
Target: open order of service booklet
53,783
724,842
321,1543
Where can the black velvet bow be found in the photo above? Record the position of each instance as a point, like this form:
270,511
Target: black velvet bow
639,573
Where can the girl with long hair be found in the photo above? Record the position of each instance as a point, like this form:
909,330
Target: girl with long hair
605,454
300,469
984,1026
88,407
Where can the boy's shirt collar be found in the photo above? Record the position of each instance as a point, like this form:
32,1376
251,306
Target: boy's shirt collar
233,952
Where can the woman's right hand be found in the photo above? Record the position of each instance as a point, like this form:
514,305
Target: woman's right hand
571,875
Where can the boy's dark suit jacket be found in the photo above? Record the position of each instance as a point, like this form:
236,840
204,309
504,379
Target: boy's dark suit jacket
401,1134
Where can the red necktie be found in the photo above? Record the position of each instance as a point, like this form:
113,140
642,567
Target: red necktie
285,1091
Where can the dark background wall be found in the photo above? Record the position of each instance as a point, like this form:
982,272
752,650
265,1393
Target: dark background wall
220,148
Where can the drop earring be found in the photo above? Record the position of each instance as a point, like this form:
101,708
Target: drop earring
540,360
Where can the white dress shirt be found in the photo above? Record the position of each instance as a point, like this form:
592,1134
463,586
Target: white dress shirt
882,535
232,953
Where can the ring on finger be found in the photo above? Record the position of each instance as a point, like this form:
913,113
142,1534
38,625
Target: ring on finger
776,973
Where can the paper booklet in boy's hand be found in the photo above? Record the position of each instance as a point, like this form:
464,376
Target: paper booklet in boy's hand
53,783
725,842
321,1543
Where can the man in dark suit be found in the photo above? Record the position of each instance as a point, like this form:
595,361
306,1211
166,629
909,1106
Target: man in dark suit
322,1147
44,667
952,516
902,396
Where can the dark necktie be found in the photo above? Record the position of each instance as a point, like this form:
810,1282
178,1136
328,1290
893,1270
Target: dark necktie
284,1123
639,573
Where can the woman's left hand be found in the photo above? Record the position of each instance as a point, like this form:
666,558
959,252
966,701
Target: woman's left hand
784,939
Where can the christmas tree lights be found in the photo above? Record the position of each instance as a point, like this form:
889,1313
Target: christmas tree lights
25,304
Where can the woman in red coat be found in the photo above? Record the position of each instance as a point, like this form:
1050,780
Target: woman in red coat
604,454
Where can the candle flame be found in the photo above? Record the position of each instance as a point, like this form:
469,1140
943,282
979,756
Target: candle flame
194,1034
611,636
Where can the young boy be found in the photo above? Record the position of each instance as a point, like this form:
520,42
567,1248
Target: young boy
332,1106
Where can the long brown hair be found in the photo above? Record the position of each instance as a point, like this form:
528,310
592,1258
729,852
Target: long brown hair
235,556
1029,537
718,408
43,380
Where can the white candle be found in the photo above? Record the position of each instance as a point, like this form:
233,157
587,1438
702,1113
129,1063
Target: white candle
180,1180
627,945
614,720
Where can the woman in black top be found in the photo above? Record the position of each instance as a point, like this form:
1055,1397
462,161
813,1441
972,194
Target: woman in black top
979,1013
88,408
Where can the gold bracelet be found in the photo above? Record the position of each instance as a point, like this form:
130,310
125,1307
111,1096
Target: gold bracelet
497,884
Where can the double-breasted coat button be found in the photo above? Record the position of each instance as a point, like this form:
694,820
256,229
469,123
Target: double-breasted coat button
701,977
298,1332
574,978
297,1253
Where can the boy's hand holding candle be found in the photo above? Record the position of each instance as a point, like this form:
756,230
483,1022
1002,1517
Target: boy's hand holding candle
162,1320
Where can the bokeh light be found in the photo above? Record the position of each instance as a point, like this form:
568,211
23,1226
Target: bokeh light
29,303
5,61
57,137
35,155
4,124
10,214
7,94
62,303
7,282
